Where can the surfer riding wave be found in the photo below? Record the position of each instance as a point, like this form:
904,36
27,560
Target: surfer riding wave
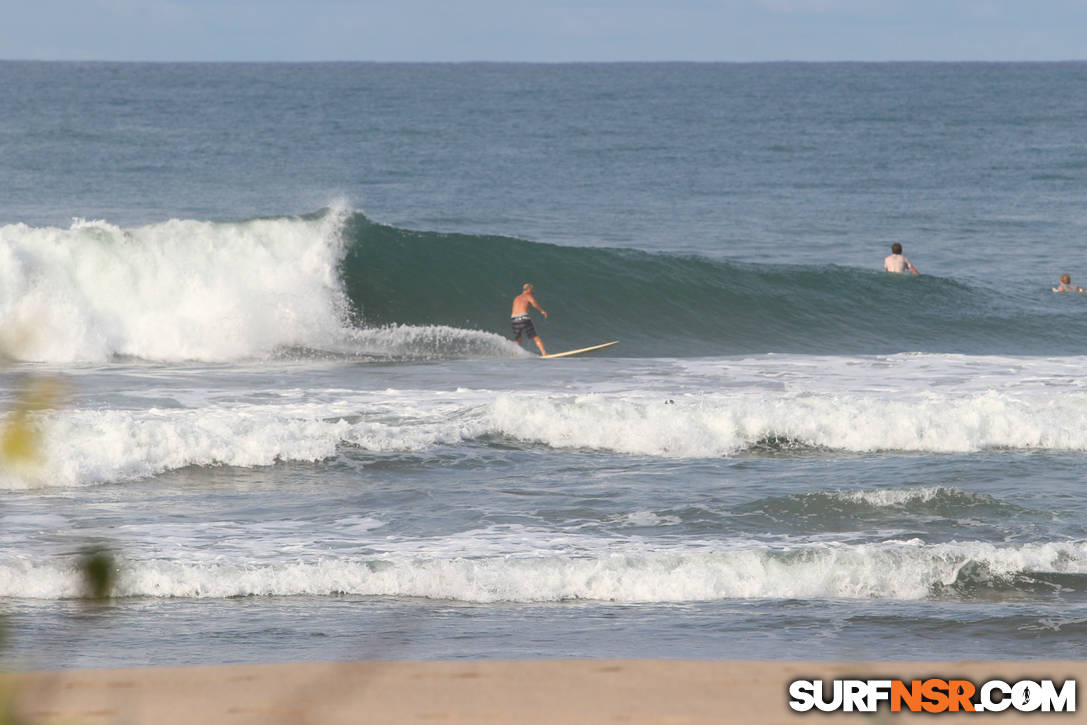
522,323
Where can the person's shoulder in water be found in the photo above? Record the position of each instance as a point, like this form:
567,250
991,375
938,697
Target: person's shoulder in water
1067,286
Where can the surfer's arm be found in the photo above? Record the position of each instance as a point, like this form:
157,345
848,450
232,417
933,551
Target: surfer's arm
532,301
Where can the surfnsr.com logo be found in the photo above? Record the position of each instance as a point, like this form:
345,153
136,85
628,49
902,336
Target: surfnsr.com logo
933,695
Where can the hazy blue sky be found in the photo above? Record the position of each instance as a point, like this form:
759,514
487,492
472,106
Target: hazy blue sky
544,30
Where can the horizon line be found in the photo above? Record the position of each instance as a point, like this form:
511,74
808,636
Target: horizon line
784,61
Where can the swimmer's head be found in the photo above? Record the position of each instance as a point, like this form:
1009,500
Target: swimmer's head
896,248
1066,279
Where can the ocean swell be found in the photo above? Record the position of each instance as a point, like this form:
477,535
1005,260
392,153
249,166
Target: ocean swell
336,283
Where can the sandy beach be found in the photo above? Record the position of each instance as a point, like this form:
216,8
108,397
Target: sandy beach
542,691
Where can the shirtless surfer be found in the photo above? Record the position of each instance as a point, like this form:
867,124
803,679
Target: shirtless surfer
522,323
896,263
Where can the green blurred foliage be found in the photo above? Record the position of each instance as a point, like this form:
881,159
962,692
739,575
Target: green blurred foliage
98,570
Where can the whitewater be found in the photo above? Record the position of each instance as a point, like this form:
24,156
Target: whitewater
706,409
285,401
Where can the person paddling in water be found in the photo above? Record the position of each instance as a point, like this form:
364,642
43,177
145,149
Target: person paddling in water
896,263
1067,286
522,323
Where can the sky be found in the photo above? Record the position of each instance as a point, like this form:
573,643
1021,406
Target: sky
543,30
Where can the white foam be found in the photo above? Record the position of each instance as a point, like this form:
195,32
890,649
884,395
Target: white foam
93,446
627,572
648,518
190,290
892,497
428,342
725,424
179,290
89,447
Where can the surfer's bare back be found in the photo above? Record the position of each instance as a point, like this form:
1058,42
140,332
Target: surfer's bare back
522,323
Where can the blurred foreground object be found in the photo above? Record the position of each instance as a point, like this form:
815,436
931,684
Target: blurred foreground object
20,438
98,572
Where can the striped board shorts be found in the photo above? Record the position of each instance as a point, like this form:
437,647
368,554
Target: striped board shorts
522,325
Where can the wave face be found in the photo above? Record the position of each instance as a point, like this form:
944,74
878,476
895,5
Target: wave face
337,283
671,305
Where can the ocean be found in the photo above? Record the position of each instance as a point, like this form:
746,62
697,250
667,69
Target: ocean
272,302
